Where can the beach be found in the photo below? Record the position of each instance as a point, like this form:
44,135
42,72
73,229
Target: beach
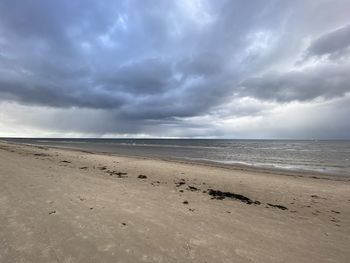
65,205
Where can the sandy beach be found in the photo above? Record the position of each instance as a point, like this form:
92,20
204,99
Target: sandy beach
61,205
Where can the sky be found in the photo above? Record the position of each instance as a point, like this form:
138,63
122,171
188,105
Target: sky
263,69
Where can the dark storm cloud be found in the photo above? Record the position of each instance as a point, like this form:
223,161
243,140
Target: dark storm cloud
146,62
149,76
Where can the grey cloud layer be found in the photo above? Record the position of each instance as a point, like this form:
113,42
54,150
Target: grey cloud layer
165,60
331,43
327,81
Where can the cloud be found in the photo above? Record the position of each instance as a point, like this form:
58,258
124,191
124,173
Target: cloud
323,119
149,76
157,55
332,43
326,81
135,65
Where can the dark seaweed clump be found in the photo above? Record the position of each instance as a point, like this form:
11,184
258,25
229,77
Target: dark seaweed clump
217,194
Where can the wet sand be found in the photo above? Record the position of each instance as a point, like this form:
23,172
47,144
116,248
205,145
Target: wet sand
60,205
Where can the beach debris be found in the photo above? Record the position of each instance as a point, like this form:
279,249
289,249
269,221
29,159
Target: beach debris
317,197
102,168
119,174
181,182
52,212
278,206
64,161
83,168
185,202
141,176
219,195
192,188
334,211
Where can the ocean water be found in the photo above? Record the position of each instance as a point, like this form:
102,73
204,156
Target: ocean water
330,157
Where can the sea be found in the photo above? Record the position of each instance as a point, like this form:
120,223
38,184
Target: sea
323,156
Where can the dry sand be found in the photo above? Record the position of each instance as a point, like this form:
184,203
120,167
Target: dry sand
60,205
